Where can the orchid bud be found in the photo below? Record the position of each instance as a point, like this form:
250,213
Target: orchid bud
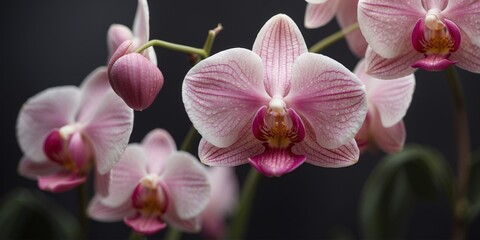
133,77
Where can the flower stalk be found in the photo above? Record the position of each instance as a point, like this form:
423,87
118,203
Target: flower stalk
463,154
335,37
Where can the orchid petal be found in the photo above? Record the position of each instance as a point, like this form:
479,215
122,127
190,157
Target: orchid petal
141,26
276,161
237,154
347,16
93,89
387,25
222,93
391,98
319,14
389,139
465,14
363,136
438,4
109,130
316,1
126,175
158,145
342,156
32,169
117,34
224,195
279,43
102,183
60,182
145,224
328,96
188,184
392,68
101,212
467,55
175,221
50,109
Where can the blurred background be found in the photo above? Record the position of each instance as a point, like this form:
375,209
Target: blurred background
59,42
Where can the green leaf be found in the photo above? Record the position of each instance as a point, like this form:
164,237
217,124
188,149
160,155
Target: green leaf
394,185
27,214
474,186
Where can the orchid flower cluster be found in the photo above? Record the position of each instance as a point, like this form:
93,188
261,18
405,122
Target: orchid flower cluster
274,106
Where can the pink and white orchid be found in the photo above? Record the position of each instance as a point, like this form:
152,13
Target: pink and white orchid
118,33
276,106
427,34
64,131
154,184
224,198
388,101
320,12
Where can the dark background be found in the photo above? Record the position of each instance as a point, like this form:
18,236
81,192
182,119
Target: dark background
51,43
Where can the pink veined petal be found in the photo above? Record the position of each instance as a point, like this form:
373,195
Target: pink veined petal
33,169
319,14
389,139
390,97
465,14
109,130
158,145
93,90
222,93
316,1
346,16
363,136
50,109
141,25
187,183
342,156
328,96
144,224
117,34
174,220
439,4
60,182
101,212
467,55
279,43
392,68
387,25
237,154
126,175
276,161
102,183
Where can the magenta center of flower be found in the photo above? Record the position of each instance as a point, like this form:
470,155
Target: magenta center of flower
149,197
436,38
70,149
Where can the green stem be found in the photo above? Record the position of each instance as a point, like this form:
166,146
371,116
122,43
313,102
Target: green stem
173,46
189,140
136,236
463,154
82,209
173,234
324,43
242,213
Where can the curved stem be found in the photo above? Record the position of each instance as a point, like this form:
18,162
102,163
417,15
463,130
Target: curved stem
324,43
173,46
173,234
82,209
188,141
463,154
242,213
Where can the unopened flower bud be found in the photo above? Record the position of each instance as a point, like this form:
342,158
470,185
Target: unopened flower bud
133,77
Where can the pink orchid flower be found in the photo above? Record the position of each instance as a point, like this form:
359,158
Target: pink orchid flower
276,106
154,184
427,34
118,33
224,198
320,12
388,101
64,131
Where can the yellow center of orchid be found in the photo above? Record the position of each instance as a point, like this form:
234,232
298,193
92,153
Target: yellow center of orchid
152,199
437,39
277,129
